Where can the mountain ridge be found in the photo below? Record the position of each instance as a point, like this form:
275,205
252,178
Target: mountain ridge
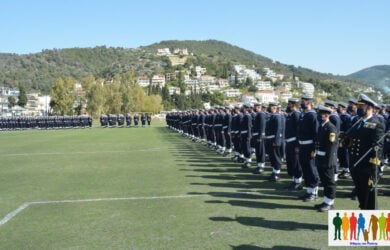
38,71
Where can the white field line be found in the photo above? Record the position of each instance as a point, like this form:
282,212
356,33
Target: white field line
12,214
81,152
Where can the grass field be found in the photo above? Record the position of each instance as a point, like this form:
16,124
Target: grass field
172,194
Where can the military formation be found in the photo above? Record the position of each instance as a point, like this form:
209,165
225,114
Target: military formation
319,144
44,122
120,121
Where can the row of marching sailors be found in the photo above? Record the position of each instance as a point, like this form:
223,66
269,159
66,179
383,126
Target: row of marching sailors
45,122
112,120
308,140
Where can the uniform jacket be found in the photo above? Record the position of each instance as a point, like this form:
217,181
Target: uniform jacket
326,145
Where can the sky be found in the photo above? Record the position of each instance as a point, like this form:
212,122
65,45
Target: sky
332,36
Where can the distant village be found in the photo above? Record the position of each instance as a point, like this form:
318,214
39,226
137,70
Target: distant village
198,82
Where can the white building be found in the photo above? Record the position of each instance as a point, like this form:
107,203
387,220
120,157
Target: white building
158,80
207,79
174,90
199,71
307,88
284,95
266,96
143,81
248,99
182,52
212,88
163,52
222,82
191,83
243,73
263,85
231,92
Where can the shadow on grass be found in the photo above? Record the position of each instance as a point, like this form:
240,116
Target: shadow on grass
278,247
271,224
259,204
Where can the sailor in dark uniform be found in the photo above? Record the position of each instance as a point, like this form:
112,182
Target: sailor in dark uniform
121,121
342,153
259,125
136,120
294,168
335,119
129,118
219,138
307,132
227,130
149,118
143,119
273,141
236,121
103,121
246,135
326,148
366,135
386,147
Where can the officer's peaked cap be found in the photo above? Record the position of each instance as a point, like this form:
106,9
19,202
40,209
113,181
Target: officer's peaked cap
324,109
352,100
330,103
272,104
363,99
306,97
343,104
293,100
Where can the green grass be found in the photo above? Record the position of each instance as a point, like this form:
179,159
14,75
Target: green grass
238,210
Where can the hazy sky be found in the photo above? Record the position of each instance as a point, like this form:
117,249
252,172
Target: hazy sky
332,36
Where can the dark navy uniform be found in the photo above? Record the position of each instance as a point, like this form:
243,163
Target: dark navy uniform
259,126
136,120
149,118
273,142
143,119
367,133
342,153
246,135
227,129
129,118
294,168
236,121
307,132
326,148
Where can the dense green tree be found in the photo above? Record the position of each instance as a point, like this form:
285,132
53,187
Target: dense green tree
95,99
22,99
63,96
11,101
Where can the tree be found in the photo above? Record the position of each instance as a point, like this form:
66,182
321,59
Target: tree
63,96
11,101
22,99
152,104
95,100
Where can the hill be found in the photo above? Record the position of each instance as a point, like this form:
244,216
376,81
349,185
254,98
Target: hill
40,70
378,76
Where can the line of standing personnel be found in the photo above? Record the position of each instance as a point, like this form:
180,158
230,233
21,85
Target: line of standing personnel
44,122
312,142
120,121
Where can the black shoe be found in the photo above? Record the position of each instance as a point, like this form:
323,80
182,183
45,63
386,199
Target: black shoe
274,177
258,170
344,175
246,165
240,160
294,186
310,197
354,194
324,207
